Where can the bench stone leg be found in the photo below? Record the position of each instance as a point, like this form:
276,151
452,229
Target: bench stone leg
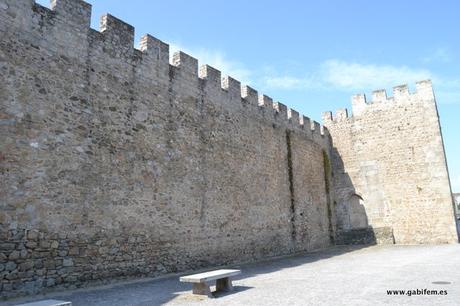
224,284
202,289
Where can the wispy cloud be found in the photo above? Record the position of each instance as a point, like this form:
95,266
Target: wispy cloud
350,75
218,60
290,82
332,74
353,76
439,55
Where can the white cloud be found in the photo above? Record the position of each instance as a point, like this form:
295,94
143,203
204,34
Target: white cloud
439,55
332,74
352,76
289,82
346,75
218,60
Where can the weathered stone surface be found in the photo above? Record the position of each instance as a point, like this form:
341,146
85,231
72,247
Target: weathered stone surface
67,262
54,244
116,164
14,255
365,236
10,266
390,169
27,265
33,235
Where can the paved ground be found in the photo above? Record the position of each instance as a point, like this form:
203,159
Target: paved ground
338,276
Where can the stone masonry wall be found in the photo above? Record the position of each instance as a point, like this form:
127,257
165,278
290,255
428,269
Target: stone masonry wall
116,163
390,173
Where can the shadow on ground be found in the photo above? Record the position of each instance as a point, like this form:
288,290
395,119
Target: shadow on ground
164,289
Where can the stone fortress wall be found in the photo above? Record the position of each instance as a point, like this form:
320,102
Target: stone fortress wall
390,171
116,163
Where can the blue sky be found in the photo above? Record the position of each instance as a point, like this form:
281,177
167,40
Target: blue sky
313,55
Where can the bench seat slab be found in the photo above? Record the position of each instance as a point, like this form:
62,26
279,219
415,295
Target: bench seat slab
209,276
201,281
48,303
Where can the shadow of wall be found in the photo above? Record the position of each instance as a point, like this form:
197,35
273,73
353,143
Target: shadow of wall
351,211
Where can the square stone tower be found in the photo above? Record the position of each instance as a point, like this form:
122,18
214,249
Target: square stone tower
389,169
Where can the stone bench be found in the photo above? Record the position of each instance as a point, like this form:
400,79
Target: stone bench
201,281
48,303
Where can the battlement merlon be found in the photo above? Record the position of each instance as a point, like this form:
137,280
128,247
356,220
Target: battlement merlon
316,126
341,114
117,32
265,101
77,12
400,92
379,96
212,76
293,117
186,63
305,122
424,90
280,109
250,95
327,117
358,104
232,86
155,48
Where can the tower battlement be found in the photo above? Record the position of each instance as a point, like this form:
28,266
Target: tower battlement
380,100
389,161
